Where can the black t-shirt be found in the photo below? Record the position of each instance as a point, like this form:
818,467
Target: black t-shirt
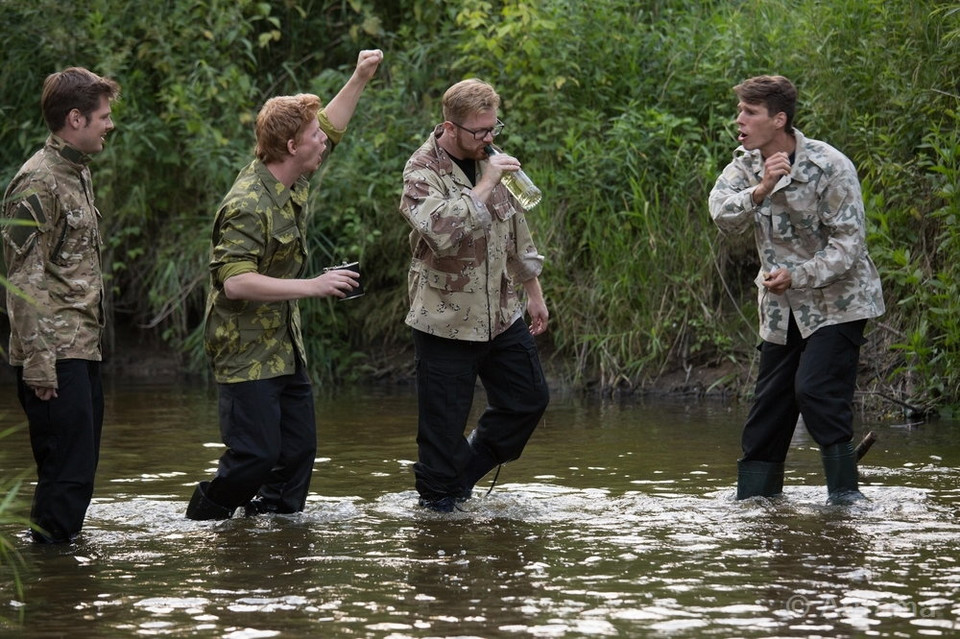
469,168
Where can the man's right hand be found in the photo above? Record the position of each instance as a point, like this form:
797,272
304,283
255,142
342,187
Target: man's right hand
44,393
497,165
774,168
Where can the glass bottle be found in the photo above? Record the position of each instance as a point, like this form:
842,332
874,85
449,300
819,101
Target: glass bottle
519,184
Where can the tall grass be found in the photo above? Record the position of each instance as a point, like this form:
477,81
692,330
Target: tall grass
621,111
11,561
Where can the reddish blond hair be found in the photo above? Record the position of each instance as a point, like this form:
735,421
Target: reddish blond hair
282,119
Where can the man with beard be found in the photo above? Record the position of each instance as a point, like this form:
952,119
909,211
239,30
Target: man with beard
472,251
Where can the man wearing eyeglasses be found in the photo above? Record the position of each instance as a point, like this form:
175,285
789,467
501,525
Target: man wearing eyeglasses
472,253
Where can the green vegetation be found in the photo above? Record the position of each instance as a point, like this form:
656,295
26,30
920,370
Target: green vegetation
11,561
621,110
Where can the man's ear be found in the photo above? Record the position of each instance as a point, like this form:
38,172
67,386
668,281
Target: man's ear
449,127
75,119
780,119
292,147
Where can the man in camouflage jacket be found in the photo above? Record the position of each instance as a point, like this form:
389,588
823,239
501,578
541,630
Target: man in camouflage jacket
472,250
55,300
252,332
817,286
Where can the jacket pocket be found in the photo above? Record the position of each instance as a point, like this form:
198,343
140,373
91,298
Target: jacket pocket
461,282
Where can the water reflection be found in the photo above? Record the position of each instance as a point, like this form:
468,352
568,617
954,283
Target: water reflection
618,521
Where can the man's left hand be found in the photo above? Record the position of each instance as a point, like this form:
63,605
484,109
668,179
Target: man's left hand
367,63
539,316
778,281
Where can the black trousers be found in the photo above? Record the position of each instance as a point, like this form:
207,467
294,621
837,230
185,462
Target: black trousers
65,437
813,377
269,428
517,395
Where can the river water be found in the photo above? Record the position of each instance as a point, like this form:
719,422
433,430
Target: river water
618,521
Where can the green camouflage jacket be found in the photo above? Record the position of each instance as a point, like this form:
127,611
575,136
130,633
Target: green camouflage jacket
260,227
52,252
811,224
469,257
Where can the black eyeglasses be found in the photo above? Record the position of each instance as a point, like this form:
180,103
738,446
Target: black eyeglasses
479,134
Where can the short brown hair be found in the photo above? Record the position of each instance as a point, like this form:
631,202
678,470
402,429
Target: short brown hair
468,97
74,88
281,119
774,91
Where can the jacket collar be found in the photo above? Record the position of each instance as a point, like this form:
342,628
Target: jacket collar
278,191
67,152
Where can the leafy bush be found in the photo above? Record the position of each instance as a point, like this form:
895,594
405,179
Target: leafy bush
621,111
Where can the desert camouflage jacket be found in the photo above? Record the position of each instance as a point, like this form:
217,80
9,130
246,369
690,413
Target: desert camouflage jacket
812,224
52,252
470,258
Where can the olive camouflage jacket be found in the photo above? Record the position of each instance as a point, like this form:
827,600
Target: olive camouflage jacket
52,250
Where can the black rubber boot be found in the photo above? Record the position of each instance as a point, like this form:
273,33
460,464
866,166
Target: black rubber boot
257,506
201,508
840,468
759,479
481,463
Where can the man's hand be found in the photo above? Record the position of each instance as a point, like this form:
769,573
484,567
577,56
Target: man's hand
778,281
774,168
334,283
367,63
501,163
536,306
497,165
44,393
539,315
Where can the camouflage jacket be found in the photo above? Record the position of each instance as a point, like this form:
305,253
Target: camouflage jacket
52,252
469,257
260,227
811,224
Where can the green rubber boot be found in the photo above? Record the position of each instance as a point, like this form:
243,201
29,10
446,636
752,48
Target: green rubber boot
759,479
840,468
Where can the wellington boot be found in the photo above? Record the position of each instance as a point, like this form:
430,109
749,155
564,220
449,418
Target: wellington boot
840,468
481,463
759,479
201,508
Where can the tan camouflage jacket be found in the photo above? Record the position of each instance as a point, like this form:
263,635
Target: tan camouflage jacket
812,224
469,258
52,253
